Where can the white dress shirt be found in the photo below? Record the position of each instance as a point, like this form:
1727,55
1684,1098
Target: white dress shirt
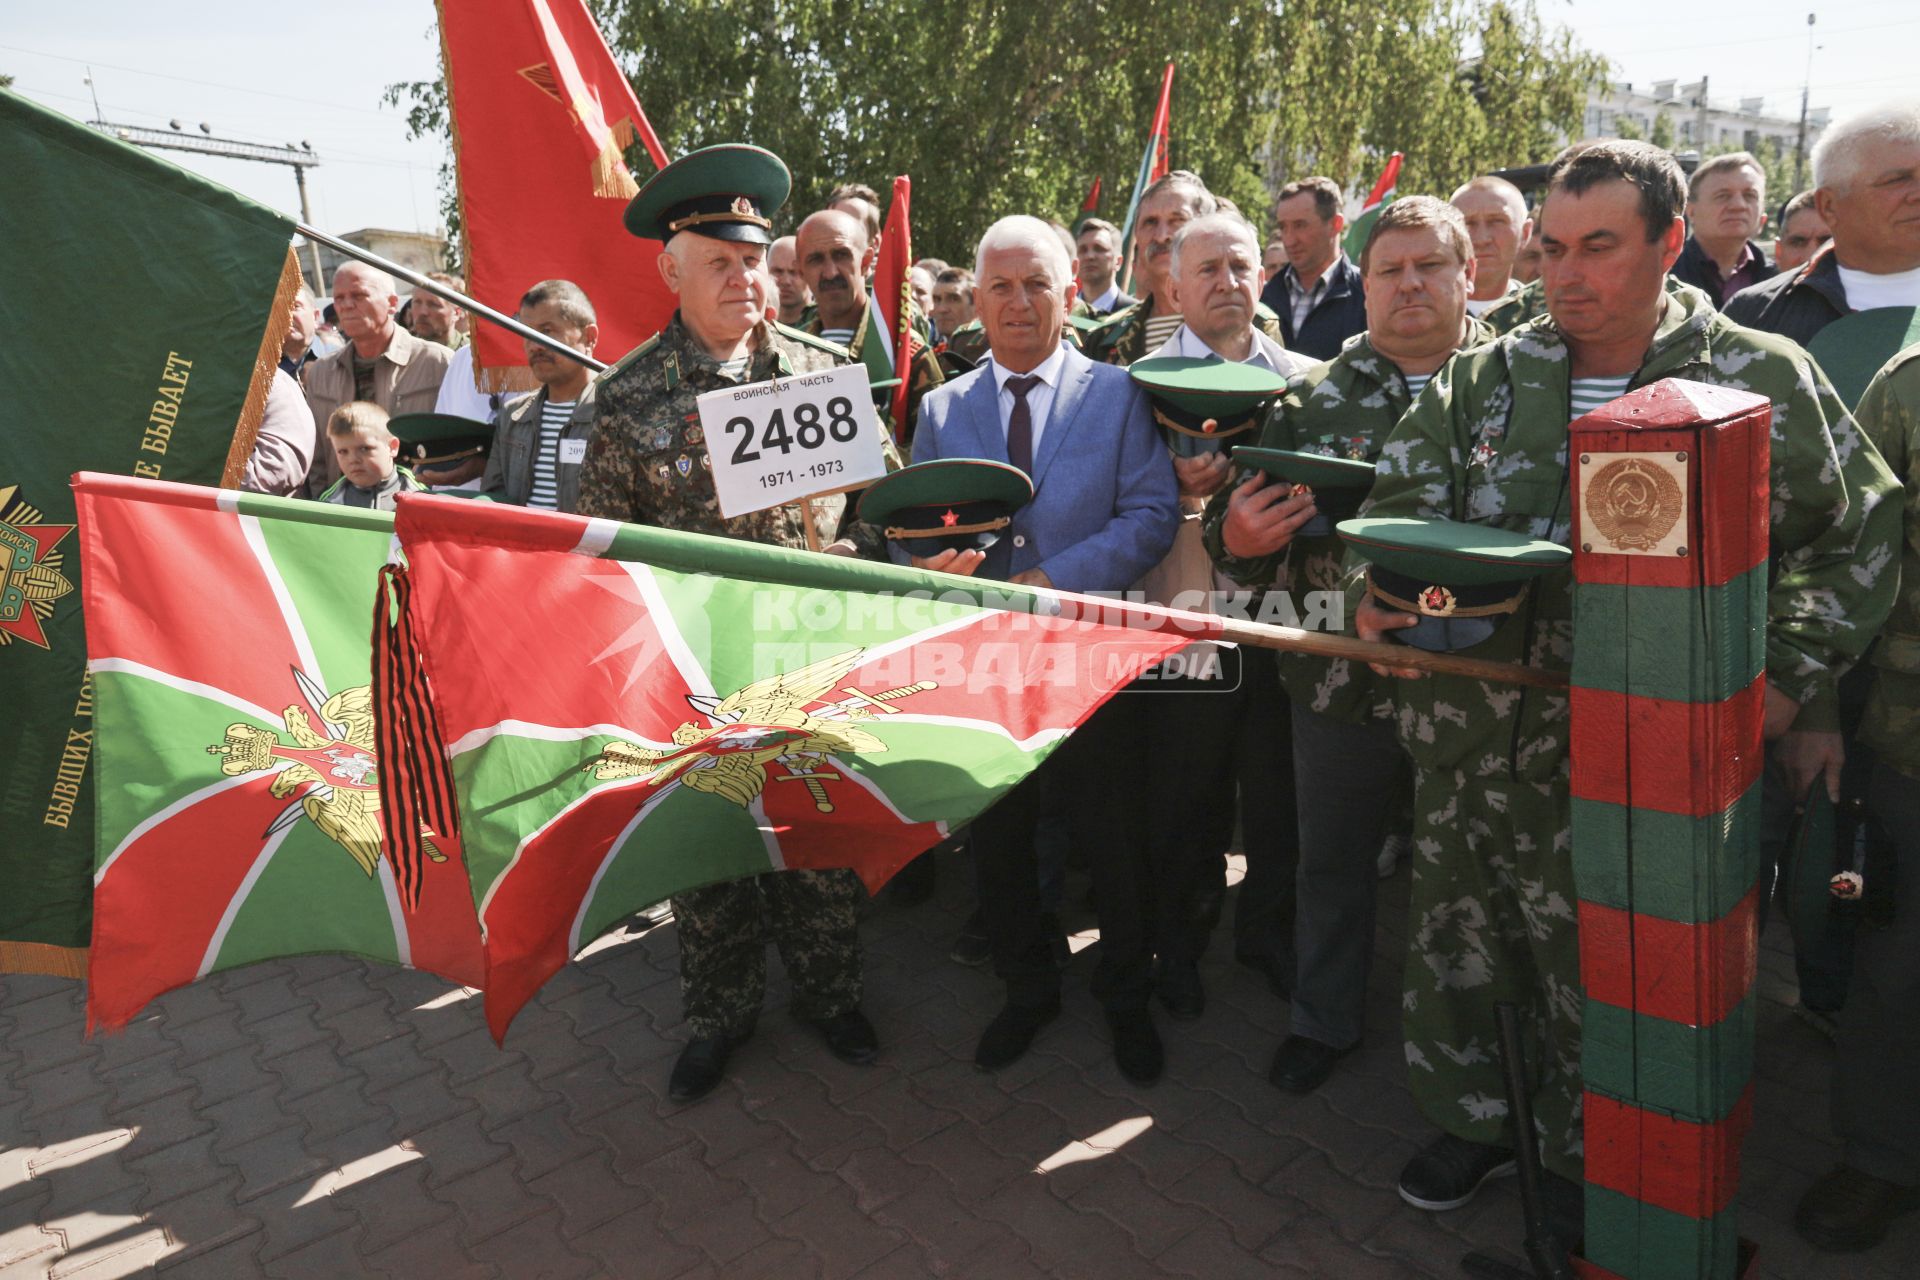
1039,399
1105,301
1265,352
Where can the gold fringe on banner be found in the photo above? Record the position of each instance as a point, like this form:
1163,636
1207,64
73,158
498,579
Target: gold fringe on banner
265,361
44,958
611,180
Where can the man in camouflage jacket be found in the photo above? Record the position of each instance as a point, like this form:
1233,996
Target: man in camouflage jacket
647,463
1492,911
1877,1051
1416,271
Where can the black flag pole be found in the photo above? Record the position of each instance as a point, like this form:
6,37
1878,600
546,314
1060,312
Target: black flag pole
448,292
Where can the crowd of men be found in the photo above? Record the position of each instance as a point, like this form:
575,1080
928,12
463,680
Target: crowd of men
1450,359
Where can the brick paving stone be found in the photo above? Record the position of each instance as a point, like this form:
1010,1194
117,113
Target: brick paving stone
534,1250
1252,1214
1314,1181
544,1141
1123,1196
504,1094
836,1232
123,1253
776,1180
633,1247
419,1103
973,1169
900,1112
956,1085
389,1062
289,1029
296,1218
1311,1244
456,1147
433,1254
229,1074
683,1187
180,1167
309,1069
391,1206
722,1232
588,1193
250,1115
364,1024
217,1033
59,1087
235,1256
1064,1240
136,1083
203,1219
635,1133
820,1132
335,1109
952,1236
490,1200
877,1177
590,1087
721,1127
773,1257
1209,1252
330,1257
275,1160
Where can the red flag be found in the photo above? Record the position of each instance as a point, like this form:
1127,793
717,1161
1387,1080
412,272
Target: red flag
1153,167
1092,203
541,114
891,289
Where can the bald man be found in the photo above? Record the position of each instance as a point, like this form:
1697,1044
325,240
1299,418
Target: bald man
783,261
836,255
1497,221
381,362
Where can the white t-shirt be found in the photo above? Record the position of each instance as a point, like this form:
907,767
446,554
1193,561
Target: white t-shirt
1867,291
1481,308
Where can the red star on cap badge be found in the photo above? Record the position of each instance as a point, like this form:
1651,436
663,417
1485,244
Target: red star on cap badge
950,519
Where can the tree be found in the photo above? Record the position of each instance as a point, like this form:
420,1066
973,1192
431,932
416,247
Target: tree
1662,134
1000,106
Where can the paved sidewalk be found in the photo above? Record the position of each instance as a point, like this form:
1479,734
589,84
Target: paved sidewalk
327,1118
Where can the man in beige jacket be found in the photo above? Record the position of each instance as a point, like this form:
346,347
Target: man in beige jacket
381,362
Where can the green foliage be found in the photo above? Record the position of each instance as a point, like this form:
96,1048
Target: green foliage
1003,106
1662,135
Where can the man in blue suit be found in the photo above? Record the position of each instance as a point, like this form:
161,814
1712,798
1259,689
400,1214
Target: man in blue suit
1104,511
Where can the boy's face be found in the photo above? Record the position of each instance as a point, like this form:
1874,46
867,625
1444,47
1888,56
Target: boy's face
365,459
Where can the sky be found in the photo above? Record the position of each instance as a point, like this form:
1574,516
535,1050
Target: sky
316,73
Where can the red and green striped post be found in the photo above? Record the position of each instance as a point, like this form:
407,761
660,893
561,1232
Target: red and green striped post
1670,487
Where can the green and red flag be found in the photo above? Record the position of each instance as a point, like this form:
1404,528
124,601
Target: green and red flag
1154,165
141,318
627,713
542,121
238,814
1384,189
893,294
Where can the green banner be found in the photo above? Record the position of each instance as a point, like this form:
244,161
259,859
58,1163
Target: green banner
139,327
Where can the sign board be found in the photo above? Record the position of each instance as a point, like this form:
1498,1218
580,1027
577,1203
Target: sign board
777,442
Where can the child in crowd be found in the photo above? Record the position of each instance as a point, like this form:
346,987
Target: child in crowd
368,454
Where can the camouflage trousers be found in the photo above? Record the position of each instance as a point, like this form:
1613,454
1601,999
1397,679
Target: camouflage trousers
812,917
1492,920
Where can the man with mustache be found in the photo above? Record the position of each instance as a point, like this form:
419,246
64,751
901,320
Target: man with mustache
1132,332
836,256
540,439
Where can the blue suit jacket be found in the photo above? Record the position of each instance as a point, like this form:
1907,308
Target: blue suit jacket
1105,503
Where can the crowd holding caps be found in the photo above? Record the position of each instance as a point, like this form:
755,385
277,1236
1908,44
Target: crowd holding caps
1380,444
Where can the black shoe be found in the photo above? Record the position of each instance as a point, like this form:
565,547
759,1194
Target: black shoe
1848,1211
1178,987
1277,972
1136,1045
849,1036
1011,1033
914,883
1302,1064
1450,1170
701,1066
972,948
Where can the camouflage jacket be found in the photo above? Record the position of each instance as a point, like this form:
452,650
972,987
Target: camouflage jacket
1528,302
1889,414
1344,408
647,458
1122,338
867,347
1487,442
968,343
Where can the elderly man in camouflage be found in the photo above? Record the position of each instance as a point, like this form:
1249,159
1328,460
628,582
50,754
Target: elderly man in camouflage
647,463
1492,911
1417,270
1877,1051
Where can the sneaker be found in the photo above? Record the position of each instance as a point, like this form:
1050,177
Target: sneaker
971,948
1392,850
1449,1171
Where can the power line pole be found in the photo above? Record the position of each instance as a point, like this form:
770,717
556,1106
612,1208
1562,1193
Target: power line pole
1800,145
299,159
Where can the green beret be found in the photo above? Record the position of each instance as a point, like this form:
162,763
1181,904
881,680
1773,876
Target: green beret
1462,580
726,192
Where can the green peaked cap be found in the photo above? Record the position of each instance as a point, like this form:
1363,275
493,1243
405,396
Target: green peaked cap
943,483
1451,552
1202,389
1316,470
1853,348
439,437
726,192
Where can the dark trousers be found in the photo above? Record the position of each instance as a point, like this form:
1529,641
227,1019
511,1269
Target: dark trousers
1876,1112
1100,775
1193,724
1262,764
1345,774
